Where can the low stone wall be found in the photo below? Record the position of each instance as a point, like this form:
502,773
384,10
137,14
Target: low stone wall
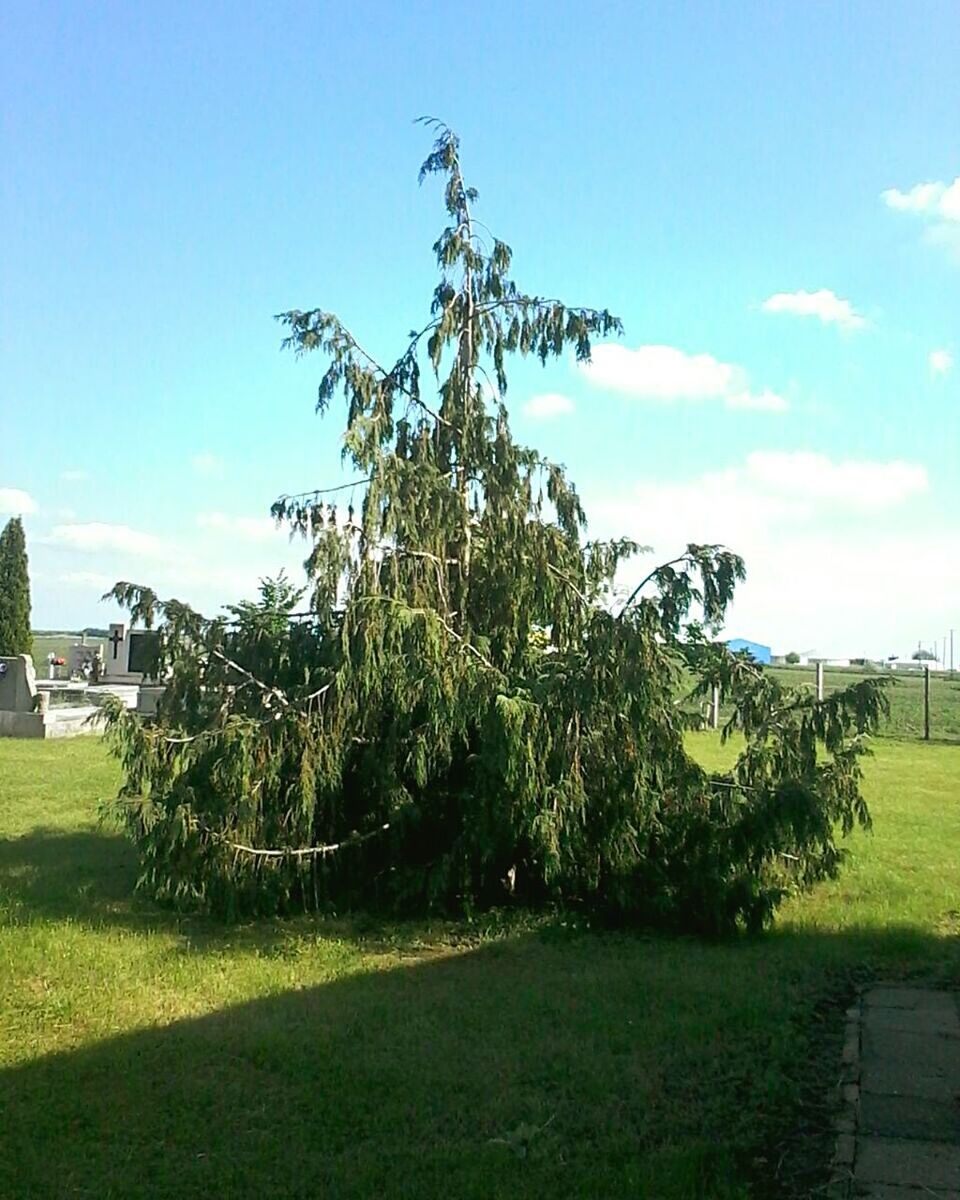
55,723
21,724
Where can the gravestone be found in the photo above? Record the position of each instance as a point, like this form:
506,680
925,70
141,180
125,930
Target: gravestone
130,654
80,655
143,653
24,712
21,707
18,684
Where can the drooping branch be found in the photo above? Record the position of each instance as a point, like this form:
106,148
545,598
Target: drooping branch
300,852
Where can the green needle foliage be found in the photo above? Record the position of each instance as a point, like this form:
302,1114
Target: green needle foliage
463,712
15,635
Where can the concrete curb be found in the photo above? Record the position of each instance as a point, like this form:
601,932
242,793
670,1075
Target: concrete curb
845,1098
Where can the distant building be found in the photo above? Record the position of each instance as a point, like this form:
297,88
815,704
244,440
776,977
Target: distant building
759,653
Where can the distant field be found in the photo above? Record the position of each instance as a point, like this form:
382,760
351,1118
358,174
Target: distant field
56,643
905,693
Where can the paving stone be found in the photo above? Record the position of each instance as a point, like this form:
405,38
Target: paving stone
890,1191
908,1163
942,1021
901,1078
907,997
921,1050
909,1117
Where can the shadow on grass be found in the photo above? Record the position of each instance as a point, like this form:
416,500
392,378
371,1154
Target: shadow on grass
88,878
598,1065
86,875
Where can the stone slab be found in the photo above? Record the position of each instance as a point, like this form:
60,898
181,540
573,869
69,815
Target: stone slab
73,722
55,723
21,724
925,1051
888,1191
908,1163
906,1079
908,997
944,1021
18,684
909,1117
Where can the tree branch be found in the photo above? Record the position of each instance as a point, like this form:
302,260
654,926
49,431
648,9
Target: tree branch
305,852
643,582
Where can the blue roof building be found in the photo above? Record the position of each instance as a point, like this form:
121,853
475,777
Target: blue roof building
757,652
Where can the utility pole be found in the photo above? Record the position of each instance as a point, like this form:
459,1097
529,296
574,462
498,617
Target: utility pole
951,651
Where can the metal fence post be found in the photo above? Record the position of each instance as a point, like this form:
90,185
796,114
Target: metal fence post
819,680
926,702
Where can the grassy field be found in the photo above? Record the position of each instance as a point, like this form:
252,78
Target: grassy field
905,693
144,1055
57,643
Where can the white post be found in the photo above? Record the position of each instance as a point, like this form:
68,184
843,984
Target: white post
819,680
715,707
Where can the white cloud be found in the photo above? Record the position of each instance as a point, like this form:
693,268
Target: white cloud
832,546
938,200
217,562
824,304
941,362
855,484
936,203
97,536
16,502
208,465
776,486
74,476
251,529
659,372
667,374
548,405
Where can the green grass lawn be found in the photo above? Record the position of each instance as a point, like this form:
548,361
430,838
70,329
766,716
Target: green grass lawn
144,1055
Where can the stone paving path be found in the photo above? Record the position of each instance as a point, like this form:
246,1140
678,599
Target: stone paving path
900,1137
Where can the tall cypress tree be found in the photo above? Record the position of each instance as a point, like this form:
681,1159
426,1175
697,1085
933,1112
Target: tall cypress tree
15,636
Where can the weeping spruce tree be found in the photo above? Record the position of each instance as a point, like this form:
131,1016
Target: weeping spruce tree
461,712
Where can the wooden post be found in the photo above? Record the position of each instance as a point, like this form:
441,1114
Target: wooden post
926,703
819,680
715,707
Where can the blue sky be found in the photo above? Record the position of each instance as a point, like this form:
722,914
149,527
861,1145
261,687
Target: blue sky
741,184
